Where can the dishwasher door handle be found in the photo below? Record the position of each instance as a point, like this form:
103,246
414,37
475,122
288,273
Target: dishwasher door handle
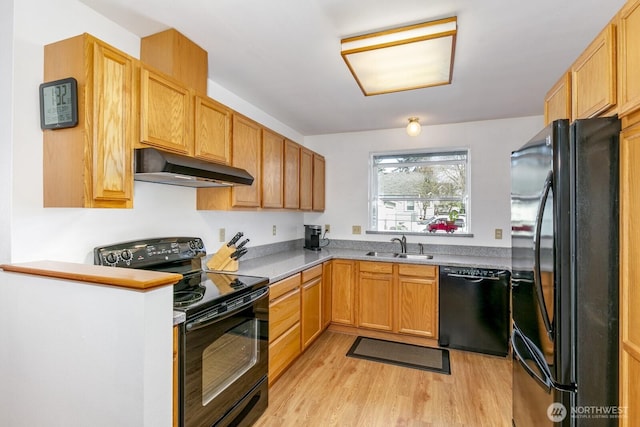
475,278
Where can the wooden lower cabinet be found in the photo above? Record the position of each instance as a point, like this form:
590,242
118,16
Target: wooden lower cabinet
392,298
295,317
284,325
311,305
417,306
327,269
375,295
343,292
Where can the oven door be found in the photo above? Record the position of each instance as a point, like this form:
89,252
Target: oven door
224,366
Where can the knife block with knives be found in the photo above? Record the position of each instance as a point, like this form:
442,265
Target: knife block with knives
226,259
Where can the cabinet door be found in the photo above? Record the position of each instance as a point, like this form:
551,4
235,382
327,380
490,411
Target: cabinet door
306,179
291,175
311,311
284,312
375,306
318,182
327,268
272,169
212,139
246,154
113,126
629,276
557,103
165,113
593,77
418,306
283,351
342,292
629,58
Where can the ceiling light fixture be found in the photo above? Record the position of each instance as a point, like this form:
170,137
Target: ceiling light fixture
405,58
413,128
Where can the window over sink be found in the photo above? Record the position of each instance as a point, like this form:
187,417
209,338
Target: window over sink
420,191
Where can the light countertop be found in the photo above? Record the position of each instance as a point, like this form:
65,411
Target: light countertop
283,264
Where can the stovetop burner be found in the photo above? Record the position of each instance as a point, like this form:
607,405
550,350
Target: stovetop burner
187,297
214,287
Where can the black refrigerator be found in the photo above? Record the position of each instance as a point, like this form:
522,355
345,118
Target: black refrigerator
564,237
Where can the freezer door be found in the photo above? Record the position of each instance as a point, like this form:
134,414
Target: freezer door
536,400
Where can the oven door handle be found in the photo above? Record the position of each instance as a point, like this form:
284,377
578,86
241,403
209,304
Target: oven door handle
232,307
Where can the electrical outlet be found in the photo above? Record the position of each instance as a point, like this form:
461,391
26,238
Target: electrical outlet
274,230
327,228
498,233
356,229
222,237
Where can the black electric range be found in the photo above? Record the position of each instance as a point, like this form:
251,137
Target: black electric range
199,290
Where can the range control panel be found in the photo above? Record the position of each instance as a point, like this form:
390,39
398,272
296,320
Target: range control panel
149,252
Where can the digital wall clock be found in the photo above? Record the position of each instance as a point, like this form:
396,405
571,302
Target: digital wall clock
59,104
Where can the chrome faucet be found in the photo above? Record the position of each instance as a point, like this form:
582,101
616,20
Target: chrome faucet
403,243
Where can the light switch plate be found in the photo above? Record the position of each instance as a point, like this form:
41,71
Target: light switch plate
498,233
222,237
356,229
274,230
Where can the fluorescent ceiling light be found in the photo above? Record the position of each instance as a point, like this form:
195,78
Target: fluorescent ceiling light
405,58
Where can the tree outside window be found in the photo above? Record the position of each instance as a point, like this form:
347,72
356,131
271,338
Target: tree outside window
420,192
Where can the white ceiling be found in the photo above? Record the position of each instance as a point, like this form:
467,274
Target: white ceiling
283,56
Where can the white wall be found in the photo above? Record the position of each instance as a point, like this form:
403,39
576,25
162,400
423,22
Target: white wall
98,356
71,234
490,144
6,124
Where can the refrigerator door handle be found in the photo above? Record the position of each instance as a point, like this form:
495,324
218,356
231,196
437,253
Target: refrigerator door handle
548,183
546,382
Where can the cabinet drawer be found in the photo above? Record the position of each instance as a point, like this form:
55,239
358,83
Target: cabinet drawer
283,351
376,267
311,273
283,286
417,270
284,313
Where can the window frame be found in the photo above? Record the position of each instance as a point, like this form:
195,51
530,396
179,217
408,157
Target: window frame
373,190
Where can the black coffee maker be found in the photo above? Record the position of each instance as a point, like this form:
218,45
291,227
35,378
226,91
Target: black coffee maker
312,237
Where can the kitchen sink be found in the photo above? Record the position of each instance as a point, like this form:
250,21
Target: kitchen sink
382,254
415,256
397,255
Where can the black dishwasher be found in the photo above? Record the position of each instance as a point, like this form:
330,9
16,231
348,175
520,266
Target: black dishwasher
474,309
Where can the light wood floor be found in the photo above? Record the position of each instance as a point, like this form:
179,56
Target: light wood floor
326,388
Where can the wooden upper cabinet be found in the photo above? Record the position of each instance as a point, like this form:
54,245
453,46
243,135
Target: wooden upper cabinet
174,54
212,131
90,165
306,179
629,58
291,175
272,169
318,182
165,113
557,103
593,77
247,154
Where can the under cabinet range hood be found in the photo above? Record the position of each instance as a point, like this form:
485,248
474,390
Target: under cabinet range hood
167,168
